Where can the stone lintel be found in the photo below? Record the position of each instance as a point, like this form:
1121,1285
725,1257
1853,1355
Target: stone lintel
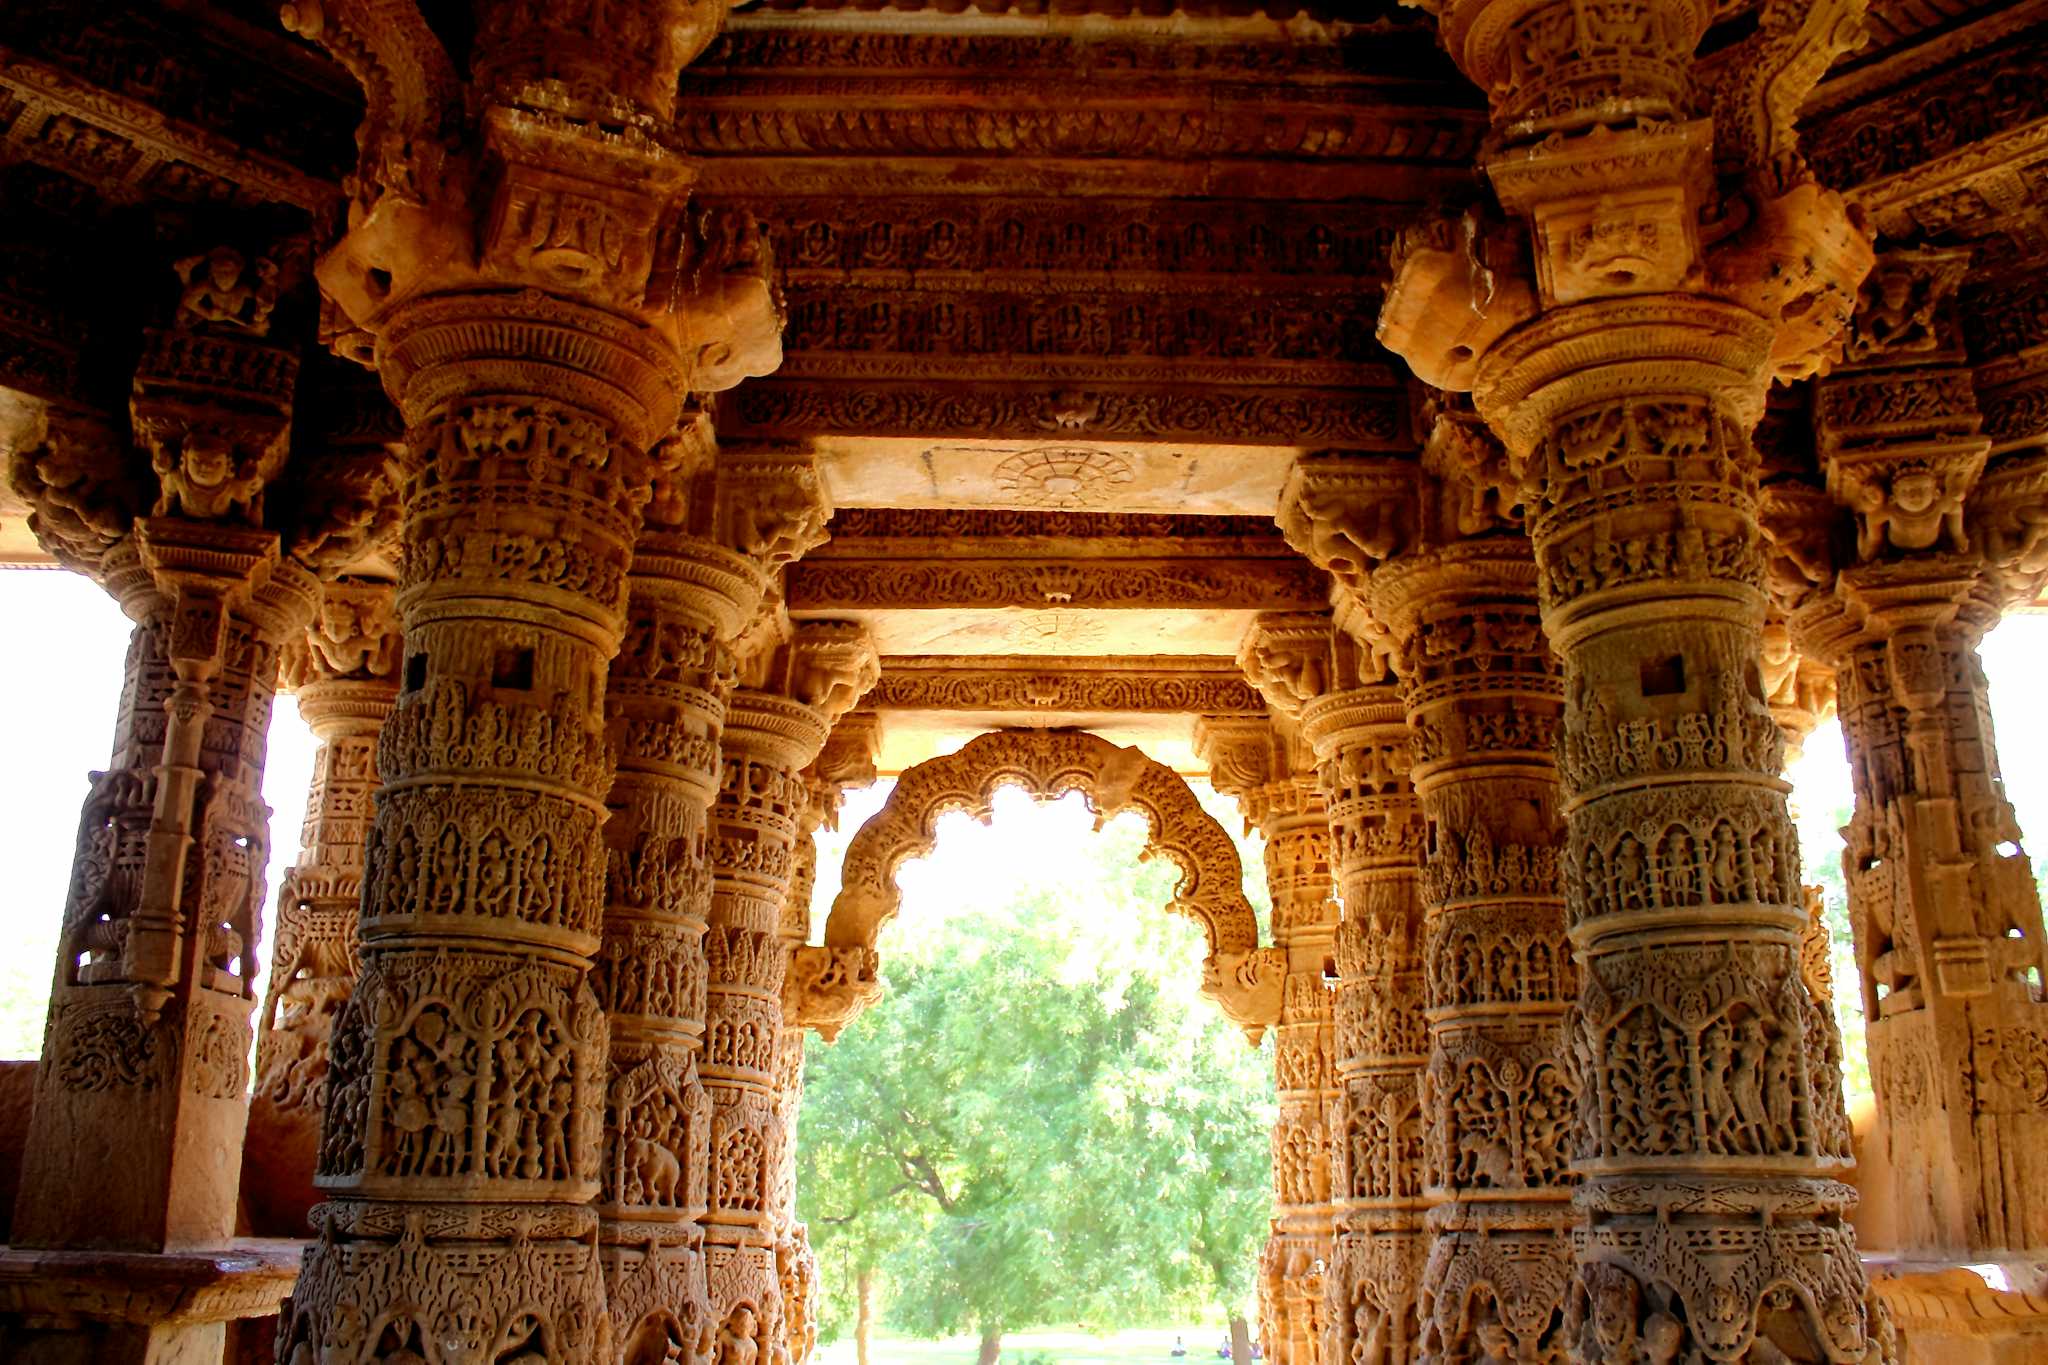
1118,584
131,152
1145,685
912,405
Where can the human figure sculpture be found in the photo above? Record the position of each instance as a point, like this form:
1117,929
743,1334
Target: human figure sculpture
345,637
200,477
1914,512
736,1339
224,289
1896,317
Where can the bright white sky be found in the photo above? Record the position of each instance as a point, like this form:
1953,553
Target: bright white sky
65,641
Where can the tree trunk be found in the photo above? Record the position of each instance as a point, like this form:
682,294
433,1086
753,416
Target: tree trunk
864,1324
1240,1341
991,1346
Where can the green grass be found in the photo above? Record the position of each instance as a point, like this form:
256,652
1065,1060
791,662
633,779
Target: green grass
1153,1346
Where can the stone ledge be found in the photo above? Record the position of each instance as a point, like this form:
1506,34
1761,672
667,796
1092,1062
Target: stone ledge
1949,1314
246,1279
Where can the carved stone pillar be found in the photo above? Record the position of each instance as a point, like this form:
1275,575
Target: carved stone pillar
847,760
665,705
1709,1101
1266,767
1619,342
771,736
136,1140
1941,896
521,268
1455,590
140,1098
345,674
467,1082
1352,722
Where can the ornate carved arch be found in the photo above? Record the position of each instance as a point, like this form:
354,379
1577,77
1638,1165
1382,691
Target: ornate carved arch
1243,978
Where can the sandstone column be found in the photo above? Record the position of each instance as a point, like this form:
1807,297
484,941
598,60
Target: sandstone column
1620,349
665,700
774,729
522,268
847,760
345,675
1455,589
136,1140
1264,764
1351,720
1941,896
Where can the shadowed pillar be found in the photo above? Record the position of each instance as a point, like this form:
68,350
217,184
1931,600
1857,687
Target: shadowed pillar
345,676
1264,764
193,521
1433,555
1895,550
773,730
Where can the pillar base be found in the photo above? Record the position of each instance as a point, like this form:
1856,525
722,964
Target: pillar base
138,1308
1950,1315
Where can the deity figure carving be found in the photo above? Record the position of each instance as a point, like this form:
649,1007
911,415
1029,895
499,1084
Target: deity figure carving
1916,508
225,288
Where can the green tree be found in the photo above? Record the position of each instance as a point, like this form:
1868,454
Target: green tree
1043,1121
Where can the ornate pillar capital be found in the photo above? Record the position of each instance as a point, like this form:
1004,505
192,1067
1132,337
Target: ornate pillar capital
772,507
1600,145
546,173
1345,512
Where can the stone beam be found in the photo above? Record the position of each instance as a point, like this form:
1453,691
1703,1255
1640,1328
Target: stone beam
955,561
1180,685
941,583
1953,150
130,100
1183,331
1029,241
832,110
1272,416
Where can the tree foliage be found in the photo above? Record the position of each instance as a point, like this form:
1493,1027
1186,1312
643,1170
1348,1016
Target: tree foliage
1042,1122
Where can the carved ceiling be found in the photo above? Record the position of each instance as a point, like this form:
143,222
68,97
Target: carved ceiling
1069,285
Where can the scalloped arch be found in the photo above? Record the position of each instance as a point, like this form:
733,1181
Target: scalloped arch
1047,764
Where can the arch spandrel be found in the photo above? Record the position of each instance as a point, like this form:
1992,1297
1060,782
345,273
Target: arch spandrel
1243,978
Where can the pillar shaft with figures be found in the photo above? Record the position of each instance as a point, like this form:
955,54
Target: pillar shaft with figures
665,699
1895,552
1265,765
773,731
345,678
1621,356
1452,585
514,269
1350,719
846,761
